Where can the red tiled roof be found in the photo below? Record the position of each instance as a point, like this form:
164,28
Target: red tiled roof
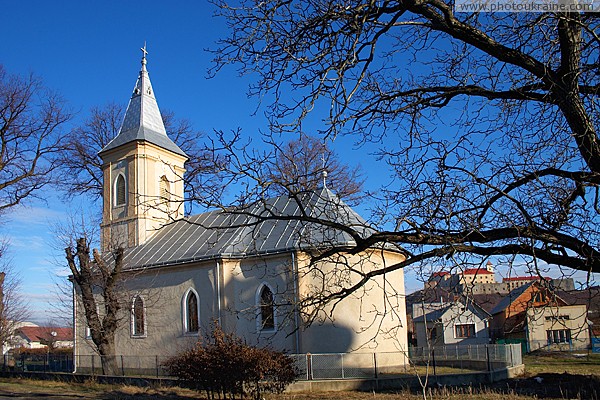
522,278
38,333
478,271
440,273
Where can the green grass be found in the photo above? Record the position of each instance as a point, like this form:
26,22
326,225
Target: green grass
582,363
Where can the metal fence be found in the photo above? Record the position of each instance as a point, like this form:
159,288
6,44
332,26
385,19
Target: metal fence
434,360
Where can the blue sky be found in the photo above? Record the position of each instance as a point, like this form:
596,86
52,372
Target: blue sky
89,52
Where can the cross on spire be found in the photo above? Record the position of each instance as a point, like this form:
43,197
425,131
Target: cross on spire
324,173
143,49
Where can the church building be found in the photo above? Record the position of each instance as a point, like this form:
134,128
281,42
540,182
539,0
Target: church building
252,270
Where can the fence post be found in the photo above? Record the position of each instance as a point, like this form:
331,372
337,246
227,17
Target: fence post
122,366
433,360
342,360
309,372
157,368
487,354
375,365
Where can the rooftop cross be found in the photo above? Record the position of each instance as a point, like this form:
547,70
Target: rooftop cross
324,173
143,49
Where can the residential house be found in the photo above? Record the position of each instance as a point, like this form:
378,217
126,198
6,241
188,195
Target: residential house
535,314
459,322
37,337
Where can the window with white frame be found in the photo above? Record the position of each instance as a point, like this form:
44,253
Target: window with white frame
464,330
120,191
558,336
191,312
266,309
138,317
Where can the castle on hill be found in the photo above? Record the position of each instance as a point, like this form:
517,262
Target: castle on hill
483,280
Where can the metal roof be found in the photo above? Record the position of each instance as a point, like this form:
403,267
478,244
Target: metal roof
264,227
142,119
433,315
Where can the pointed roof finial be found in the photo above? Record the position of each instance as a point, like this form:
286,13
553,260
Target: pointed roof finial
324,173
142,119
144,53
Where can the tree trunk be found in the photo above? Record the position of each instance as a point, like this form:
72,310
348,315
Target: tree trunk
109,359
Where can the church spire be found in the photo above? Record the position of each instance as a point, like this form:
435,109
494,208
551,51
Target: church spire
142,170
143,120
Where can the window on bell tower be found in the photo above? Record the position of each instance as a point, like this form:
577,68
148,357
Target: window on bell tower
120,191
165,190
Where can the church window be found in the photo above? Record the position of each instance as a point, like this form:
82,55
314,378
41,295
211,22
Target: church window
120,191
165,191
266,314
191,312
138,320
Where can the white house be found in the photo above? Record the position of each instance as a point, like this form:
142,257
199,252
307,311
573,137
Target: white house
247,268
450,323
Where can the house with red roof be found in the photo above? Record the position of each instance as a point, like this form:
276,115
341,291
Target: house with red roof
535,314
37,337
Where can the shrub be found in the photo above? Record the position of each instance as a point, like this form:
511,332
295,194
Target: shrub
224,365
67,351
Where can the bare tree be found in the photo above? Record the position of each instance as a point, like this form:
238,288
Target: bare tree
308,163
31,123
14,309
489,121
97,281
81,162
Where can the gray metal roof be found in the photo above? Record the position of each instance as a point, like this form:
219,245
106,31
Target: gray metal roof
266,227
434,315
142,119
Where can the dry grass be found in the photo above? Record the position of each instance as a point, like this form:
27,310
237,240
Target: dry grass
92,390
432,395
556,385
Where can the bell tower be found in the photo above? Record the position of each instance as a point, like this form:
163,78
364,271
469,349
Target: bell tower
143,172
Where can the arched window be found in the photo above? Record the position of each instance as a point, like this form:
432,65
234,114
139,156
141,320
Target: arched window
191,312
120,191
266,308
138,320
165,190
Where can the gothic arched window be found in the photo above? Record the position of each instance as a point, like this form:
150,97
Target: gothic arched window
266,309
120,191
191,312
138,318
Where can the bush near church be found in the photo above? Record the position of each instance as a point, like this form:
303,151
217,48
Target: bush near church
225,365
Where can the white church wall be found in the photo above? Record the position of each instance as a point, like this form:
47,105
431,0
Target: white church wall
242,280
372,319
